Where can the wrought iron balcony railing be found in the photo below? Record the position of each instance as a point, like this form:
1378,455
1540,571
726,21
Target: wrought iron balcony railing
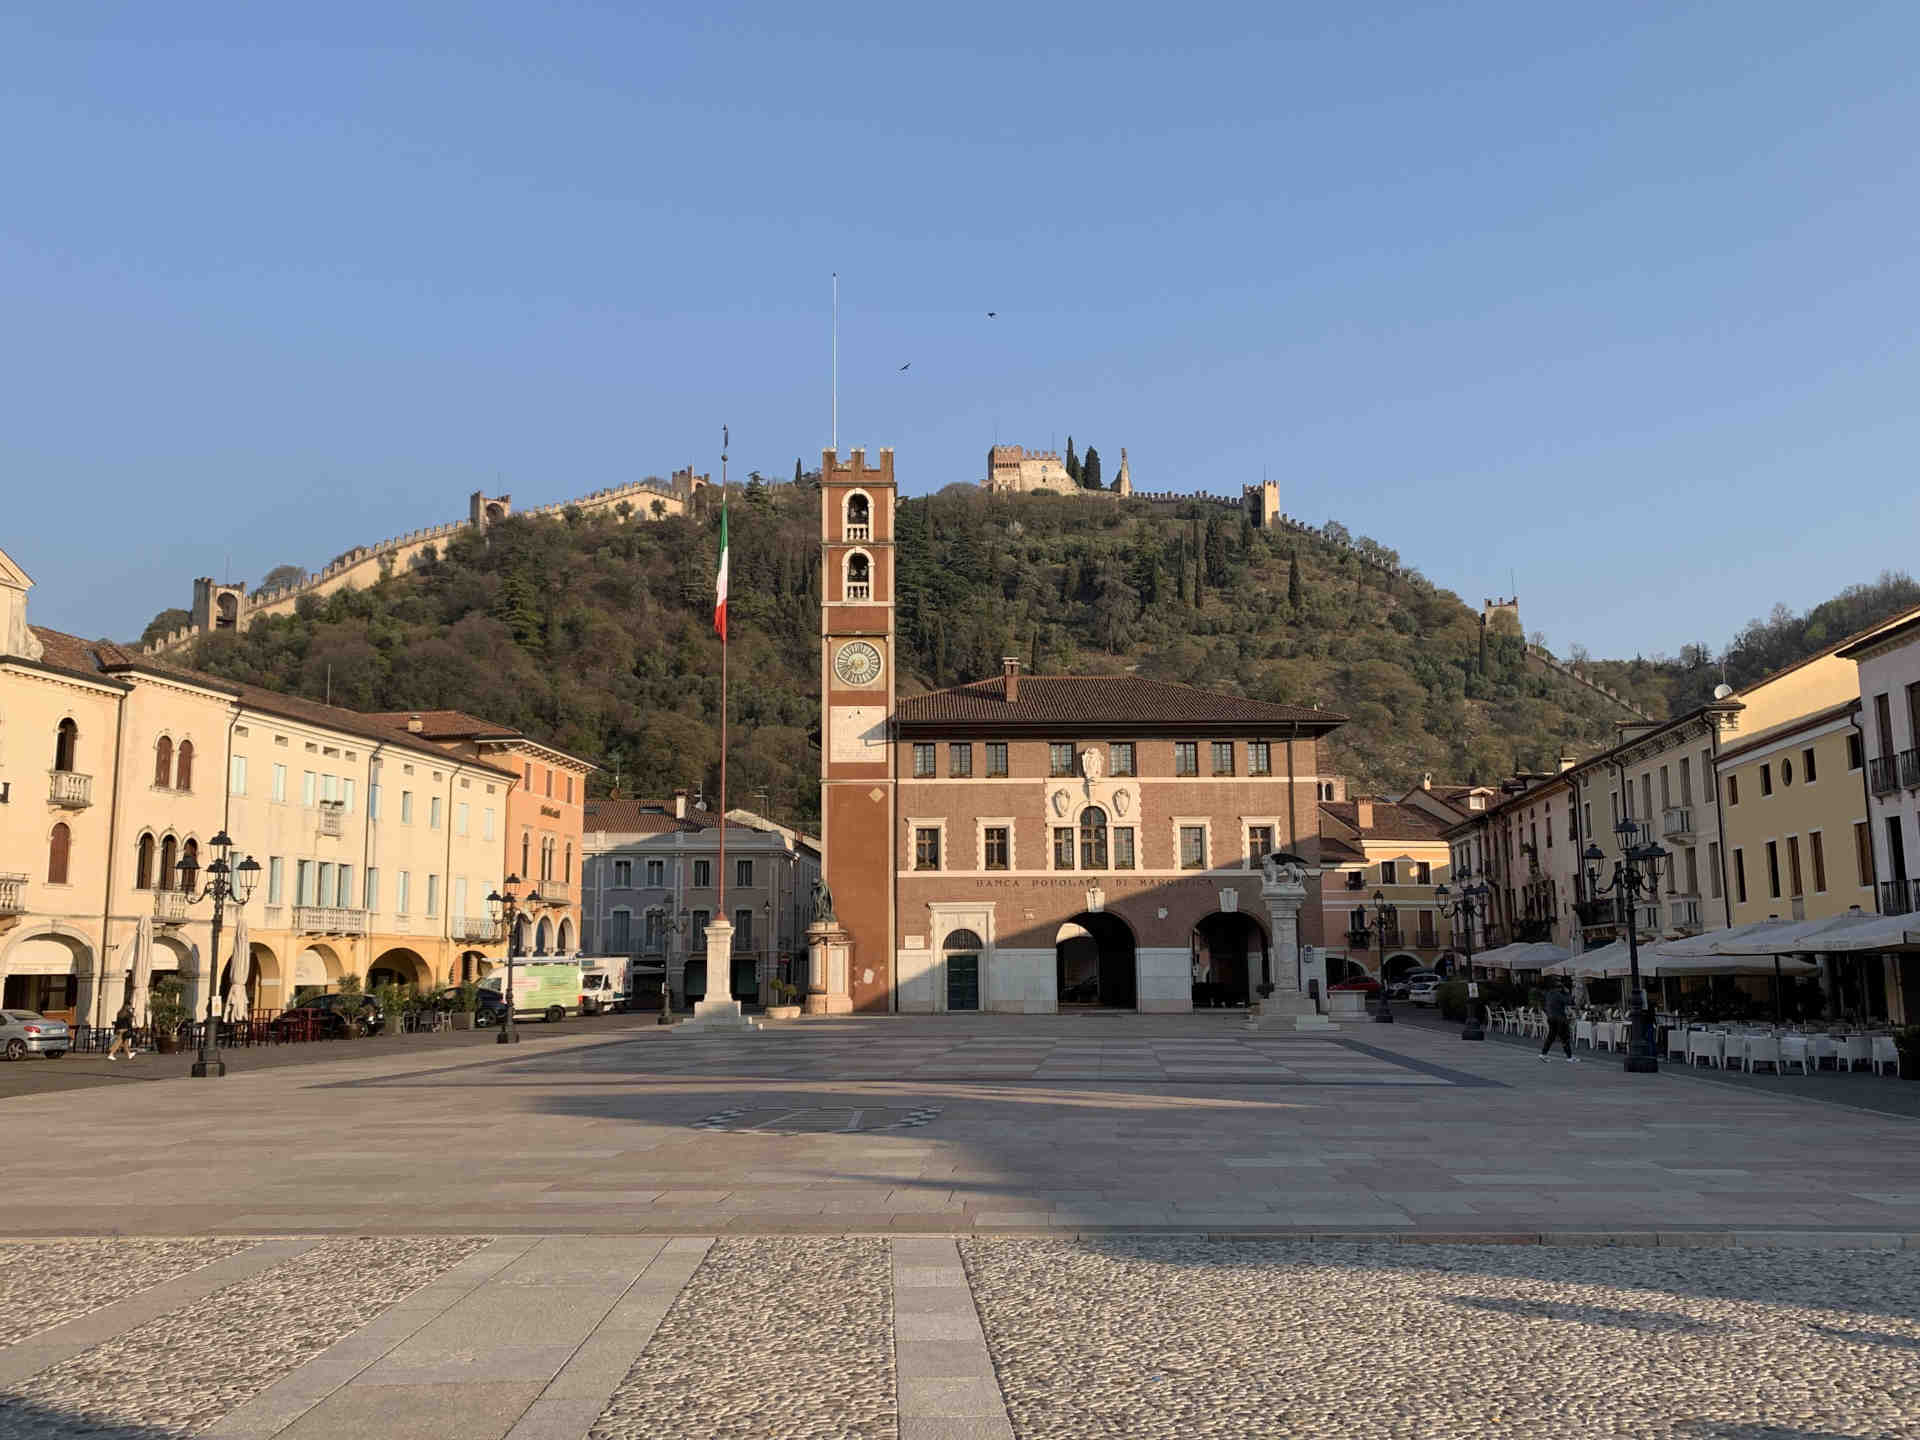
1883,774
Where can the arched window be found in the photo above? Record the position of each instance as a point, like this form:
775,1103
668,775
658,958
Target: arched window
964,940
168,878
183,766
1093,838
65,740
143,864
526,854
163,764
189,851
859,576
859,517
567,874
59,843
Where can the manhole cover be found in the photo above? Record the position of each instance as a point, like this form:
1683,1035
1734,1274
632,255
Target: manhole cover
819,1120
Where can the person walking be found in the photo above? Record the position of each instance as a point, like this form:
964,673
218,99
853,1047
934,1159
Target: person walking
122,1034
1559,1027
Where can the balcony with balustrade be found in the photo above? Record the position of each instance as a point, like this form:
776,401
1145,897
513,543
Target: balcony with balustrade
329,920
69,790
477,929
1677,823
551,892
1910,769
170,907
13,894
1883,774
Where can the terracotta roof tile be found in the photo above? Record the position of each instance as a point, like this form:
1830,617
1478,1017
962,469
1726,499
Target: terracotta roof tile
69,652
1335,851
449,725
1390,821
1114,703
651,817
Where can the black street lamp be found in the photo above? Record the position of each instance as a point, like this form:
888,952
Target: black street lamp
1636,871
1384,929
505,909
224,882
1472,899
670,925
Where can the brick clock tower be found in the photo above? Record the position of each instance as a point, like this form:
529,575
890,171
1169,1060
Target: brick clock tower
856,714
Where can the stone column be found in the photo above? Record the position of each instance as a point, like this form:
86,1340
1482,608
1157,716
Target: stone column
723,1014
1284,888
828,949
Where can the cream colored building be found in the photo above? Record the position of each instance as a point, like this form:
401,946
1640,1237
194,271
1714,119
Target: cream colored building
377,848
1399,852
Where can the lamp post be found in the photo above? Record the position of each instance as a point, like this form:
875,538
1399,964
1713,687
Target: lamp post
224,882
1359,932
504,906
1472,899
670,925
1636,871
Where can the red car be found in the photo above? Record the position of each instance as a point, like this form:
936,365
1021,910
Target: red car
1359,982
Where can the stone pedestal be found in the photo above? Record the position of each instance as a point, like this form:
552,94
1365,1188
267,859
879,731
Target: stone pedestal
1284,888
829,952
724,1015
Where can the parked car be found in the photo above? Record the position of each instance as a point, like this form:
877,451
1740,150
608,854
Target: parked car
335,1016
1424,992
490,1007
27,1032
1358,982
1402,988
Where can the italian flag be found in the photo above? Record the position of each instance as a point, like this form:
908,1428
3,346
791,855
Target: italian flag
720,584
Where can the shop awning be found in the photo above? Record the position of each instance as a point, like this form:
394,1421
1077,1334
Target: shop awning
1853,931
1522,955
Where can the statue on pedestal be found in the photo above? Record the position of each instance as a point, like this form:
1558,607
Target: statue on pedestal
823,904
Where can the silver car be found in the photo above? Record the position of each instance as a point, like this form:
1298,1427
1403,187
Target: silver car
1424,991
26,1032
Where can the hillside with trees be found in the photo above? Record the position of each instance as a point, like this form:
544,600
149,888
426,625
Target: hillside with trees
596,635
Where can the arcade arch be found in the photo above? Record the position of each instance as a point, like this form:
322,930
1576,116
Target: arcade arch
1231,959
1094,963
399,966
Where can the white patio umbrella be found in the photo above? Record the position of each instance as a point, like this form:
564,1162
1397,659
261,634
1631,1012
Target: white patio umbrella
1855,930
140,968
237,970
1703,943
1603,963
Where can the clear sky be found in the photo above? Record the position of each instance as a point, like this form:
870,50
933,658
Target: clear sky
1619,298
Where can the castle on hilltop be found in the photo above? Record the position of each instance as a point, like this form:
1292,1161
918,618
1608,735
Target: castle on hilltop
218,606
1015,470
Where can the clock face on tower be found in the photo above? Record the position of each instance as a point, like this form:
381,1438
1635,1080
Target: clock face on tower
857,663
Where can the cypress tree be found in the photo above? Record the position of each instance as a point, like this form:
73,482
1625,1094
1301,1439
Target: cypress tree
1293,581
1073,462
1090,470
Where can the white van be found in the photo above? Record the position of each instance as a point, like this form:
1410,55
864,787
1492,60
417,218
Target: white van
543,989
601,991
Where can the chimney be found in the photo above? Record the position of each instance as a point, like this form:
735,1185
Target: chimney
1363,815
1010,677
415,724
1426,781
1567,762
679,804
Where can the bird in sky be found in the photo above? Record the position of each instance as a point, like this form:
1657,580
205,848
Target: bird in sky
907,366
992,313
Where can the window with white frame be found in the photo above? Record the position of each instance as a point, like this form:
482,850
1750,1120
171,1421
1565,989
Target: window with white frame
623,874
656,873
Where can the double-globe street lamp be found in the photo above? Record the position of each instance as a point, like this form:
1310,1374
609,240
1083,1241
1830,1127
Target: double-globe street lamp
1386,929
1471,901
670,925
1637,871
225,881
504,906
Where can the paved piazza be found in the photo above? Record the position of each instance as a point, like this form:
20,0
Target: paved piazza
951,1229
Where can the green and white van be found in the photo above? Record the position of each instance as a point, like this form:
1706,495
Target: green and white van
542,988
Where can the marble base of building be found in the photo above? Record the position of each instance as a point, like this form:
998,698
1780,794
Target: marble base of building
828,947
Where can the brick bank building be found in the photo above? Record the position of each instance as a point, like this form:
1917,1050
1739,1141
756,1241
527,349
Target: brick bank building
1032,843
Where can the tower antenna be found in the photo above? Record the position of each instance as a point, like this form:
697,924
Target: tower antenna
836,362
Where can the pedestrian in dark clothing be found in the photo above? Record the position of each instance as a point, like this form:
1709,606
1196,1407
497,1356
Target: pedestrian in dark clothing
1559,1027
122,1035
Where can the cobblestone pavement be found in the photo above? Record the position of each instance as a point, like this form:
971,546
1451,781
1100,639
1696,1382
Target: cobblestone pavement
1162,1336
179,1372
992,1338
771,1337
43,1284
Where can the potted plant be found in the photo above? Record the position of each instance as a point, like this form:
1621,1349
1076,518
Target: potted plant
786,1001
166,1013
391,997
464,1005
348,987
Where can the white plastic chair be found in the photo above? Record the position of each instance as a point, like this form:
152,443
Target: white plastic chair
1885,1053
1763,1050
1677,1043
1853,1049
1793,1051
1707,1045
1583,1030
1823,1047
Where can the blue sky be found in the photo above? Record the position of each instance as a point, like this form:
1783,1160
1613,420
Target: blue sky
1619,299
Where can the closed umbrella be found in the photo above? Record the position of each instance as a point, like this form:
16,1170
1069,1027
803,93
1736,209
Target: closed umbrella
237,971
140,971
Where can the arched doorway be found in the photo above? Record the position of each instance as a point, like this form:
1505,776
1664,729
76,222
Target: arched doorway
315,968
565,940
227,611
1230,960
543,937
46,973
264,986
473,966
1093,960
1401,963
496,512
398,966
963,949
522,936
